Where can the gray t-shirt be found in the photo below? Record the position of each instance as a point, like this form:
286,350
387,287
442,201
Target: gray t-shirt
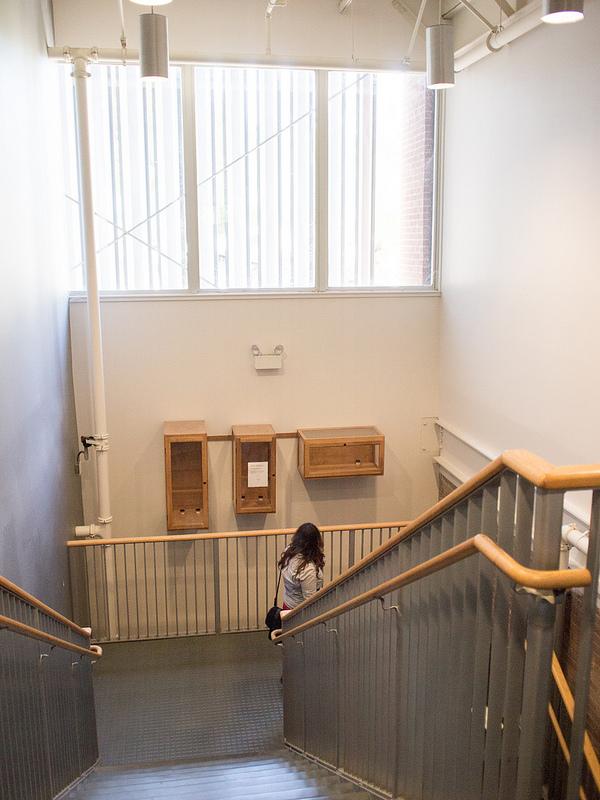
298,585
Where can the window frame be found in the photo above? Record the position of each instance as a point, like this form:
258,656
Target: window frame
321,203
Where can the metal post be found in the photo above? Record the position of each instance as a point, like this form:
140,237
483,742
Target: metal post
540,637
584,654
100,436
217,585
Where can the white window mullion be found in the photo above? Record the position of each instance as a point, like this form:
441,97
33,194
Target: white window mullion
438,188
321,181
191,181
370,236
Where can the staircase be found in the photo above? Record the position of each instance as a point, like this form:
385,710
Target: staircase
279,776
422,670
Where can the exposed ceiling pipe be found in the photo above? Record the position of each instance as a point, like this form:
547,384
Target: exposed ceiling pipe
115,56
573,537
343,5
521,22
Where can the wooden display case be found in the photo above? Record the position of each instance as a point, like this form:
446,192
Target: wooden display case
254,469
340,452
186,474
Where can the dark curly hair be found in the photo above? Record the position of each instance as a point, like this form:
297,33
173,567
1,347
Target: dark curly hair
307,543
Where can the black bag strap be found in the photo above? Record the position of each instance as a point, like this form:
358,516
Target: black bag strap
277,589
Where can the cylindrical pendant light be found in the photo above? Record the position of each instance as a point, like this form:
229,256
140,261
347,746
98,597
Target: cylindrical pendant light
439,49
559,12
154,46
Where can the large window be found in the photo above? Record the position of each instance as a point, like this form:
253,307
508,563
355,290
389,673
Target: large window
380,180
138,180
255,157
254,179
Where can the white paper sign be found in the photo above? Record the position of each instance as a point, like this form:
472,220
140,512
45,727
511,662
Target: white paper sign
258,474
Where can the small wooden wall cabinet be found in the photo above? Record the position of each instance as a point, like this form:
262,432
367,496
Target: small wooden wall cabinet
254,469
340,452
186,474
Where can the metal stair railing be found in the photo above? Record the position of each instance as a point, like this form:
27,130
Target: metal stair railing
48,736
444,691
155,587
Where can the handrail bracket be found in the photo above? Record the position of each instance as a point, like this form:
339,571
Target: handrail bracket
552,596
389,608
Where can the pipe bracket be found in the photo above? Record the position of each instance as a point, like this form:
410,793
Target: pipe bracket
98,441
488,41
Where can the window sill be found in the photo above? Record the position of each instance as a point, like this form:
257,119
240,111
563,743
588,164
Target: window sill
265,294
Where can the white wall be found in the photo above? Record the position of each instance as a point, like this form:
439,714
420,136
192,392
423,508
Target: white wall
39,494
521,271
349,361
309,31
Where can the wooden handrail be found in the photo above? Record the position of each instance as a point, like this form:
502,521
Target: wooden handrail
569,703
33,601
529,466
480,543
192,537
34,633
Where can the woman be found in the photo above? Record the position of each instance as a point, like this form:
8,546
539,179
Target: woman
301,565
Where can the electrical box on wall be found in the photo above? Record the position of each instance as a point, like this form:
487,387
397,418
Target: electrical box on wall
186,474
254,469
340,452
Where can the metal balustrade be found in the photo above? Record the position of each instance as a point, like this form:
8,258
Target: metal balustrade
440,688
194,584
47,718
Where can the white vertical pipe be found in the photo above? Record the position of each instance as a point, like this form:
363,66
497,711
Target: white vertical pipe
100,435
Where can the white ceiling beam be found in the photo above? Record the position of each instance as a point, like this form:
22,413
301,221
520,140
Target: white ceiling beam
404,8
474,11
505,7
416,31
399,5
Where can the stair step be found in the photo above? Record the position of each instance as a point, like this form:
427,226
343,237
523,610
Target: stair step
248,785
205,777
274,760
284,776
295,791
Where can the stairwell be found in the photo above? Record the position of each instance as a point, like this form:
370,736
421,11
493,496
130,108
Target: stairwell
198,718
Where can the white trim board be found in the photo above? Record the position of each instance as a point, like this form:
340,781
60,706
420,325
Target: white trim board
461,457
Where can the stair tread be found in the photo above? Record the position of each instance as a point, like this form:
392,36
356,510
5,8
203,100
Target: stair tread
173,773
217,781
276,759
281,776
